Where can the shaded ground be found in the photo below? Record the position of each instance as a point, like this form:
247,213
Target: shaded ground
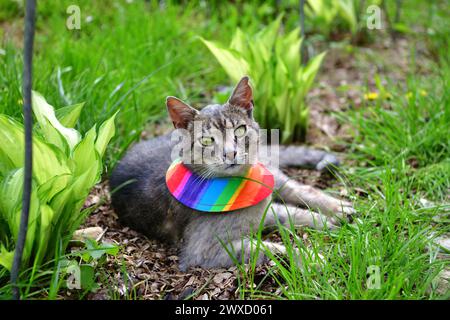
151,268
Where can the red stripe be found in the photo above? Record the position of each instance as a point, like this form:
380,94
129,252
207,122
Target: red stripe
266,188
176,177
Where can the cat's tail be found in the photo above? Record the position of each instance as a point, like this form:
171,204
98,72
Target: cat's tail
303,157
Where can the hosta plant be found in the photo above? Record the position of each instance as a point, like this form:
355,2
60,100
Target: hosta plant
66,165
281,82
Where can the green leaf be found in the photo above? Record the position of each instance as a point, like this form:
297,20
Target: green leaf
347,11
45,114
96,251
54,137
288,49
239,41
11,195
12,147
6,257
87,273
53,186
68,116
231,61
269,33
310,71
84,154
47,214
105,133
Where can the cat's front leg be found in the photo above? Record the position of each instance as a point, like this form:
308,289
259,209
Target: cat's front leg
288,215
293,192
220,253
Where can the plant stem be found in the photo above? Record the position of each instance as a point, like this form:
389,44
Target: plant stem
27,83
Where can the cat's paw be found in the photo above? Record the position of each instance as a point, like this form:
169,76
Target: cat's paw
329,161
323,222
343,211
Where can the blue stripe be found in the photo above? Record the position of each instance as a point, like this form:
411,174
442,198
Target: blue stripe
205,185
212,193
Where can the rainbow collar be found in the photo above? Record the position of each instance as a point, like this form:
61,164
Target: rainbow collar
221,194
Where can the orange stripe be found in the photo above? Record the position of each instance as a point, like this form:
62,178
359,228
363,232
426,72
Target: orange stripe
251,188
232,201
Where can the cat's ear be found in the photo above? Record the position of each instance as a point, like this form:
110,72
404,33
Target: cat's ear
242,95
180,112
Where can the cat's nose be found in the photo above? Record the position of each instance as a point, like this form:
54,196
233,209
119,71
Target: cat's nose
230,155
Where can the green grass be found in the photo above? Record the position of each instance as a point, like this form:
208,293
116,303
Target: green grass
392,233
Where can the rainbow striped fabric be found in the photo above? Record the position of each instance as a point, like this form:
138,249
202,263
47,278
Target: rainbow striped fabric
221,194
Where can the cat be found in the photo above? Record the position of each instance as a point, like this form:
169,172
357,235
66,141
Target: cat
143,202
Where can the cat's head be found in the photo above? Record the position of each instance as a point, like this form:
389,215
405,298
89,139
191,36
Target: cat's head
223,138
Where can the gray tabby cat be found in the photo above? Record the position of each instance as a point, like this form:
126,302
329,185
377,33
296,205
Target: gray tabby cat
141,198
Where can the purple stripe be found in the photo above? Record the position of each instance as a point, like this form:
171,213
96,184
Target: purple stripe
181,186
191,189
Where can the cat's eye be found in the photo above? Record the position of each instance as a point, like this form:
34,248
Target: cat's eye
240,131
206,141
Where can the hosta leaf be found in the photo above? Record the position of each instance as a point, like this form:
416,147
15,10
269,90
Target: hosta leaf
47,214
288,49
44,111
53,186
347,11
84,154
68,116
33,221
316,6
105,133
259,58
11,203
281,104
6,257
231,61
11,197
281,80
6,164
84,183
12,147
268,35
239,41
54,137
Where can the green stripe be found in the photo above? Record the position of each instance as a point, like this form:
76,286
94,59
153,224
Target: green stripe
227,193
